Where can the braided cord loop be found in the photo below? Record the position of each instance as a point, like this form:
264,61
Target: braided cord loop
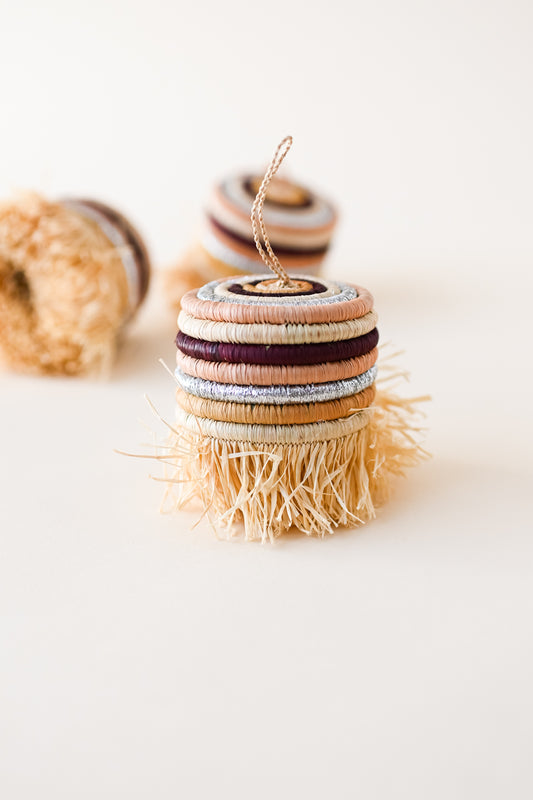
258,223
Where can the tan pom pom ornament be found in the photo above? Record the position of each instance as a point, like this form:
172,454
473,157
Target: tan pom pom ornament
300,224
279,422
72,274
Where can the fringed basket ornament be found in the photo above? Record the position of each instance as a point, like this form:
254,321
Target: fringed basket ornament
279,421
300,223
72,274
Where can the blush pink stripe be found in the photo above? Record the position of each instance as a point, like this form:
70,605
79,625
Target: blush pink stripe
266,375
219,311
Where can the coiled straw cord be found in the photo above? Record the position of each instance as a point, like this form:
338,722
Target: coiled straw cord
267,254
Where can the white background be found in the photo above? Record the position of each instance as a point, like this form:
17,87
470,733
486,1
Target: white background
142,660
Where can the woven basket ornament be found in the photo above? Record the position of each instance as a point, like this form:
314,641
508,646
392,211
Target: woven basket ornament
72,274
279,423
301,224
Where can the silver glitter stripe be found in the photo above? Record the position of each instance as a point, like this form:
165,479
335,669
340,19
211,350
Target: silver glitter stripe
275,395
219,251
120,242
347,292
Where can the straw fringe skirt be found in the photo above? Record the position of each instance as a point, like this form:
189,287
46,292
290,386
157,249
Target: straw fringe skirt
314,487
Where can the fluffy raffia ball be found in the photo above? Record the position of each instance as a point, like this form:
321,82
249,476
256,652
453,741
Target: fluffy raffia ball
65,288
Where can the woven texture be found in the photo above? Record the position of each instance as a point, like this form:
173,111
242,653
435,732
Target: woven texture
278,420
301,225
259,381
288,414
281,355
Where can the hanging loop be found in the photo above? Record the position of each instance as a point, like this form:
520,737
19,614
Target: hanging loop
258,223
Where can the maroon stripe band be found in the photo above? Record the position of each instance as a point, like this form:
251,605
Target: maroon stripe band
277,355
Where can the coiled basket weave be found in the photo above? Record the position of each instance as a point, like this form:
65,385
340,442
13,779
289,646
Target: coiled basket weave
279,424
301,224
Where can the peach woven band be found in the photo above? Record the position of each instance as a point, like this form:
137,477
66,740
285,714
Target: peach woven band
267,375
275,415
274,434
242,333
277,314
219,243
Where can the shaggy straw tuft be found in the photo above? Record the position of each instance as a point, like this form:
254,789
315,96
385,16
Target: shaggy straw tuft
314,487
63,290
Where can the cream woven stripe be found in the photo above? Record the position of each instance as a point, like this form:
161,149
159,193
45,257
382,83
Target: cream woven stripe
244,333
274,434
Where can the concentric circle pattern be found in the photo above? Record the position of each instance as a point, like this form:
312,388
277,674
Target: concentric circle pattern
300,223
260,363
224,301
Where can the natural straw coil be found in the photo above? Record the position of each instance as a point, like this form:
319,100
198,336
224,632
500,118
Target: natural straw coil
265,333
275,434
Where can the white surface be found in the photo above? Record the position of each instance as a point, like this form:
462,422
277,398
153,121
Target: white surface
141,660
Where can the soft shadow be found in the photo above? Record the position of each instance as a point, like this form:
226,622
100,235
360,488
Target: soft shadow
444,498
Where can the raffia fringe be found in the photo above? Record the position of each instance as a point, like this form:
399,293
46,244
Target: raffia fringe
317,487
63,290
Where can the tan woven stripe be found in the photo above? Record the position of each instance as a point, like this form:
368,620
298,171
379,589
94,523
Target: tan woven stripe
254,413
267,375
239,333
